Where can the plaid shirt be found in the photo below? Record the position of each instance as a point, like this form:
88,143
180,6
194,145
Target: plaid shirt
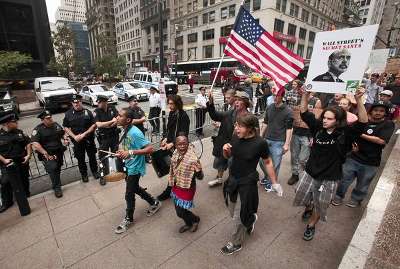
183,168
292,98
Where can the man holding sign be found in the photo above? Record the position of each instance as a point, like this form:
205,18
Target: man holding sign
338,62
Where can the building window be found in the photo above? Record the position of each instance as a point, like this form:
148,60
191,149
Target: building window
192,38
309,52
305,15
300,50
179,55
281,5
232,11
208,34
291,29
290,46
256,4
192,53
226,30
294,10
314,20
321,23
155,28
311,36
179,40
278,25
302,34
192,22
224,13
208,17
208,51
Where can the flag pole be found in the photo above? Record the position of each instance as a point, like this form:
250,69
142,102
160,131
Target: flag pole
223,56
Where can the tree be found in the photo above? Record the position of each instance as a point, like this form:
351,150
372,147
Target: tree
10,61
63,41
110,64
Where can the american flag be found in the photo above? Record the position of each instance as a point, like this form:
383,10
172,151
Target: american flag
252,45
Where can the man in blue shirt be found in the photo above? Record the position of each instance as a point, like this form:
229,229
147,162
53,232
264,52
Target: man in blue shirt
133,149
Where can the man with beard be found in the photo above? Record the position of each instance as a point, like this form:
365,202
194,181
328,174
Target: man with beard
363,163
338,62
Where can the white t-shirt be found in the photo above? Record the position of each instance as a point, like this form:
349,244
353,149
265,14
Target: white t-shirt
155,100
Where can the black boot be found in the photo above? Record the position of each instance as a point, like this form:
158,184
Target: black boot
293,179
58,193
166,194
4,207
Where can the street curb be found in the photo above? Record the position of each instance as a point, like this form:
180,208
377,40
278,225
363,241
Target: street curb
30,112
362,243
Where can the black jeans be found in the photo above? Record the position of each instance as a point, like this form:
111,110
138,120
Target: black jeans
107,143
200,119
188,217
53,168
88,146
155,113
133,188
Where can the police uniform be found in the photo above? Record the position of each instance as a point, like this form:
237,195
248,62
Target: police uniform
15,175
137,113
79,122
107,137
50,140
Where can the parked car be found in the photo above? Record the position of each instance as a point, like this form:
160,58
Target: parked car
53,92
149,79
90,92
124,90
8,103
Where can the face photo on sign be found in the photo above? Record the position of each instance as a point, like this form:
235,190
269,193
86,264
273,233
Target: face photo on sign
338,63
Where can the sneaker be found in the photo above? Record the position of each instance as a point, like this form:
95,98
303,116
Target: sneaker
184,228
123,226
102,181
58,193
230,248
85,179
215,182
306,215
250,230
195,226
293,180
268,186
337,201
153,208
264,181
353,204
309,233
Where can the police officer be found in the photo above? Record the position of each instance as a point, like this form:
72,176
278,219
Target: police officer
139,117
15,152
105,117
46,140
80,126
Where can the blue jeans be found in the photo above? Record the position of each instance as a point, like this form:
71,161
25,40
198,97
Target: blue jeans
299,153
276,153
364,174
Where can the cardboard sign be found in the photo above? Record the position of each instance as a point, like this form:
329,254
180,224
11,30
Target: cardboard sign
339,59
377,61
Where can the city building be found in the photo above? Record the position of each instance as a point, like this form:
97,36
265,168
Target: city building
71,10
370,11
24,27
101,28
389,28
129,33
150,23
72,14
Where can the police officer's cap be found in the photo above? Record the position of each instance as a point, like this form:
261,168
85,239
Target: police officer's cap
44,114
102,98
381,104
7,118
132,98
76,97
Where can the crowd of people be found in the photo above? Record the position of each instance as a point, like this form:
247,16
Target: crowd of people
333,139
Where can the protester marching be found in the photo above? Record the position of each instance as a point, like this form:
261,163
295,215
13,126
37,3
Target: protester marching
333,125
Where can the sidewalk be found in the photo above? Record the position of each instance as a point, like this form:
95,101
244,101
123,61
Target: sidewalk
77,231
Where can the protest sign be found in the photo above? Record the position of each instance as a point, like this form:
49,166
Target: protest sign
339,59
377,61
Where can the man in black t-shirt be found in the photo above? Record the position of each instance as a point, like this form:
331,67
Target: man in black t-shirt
364,161
139,117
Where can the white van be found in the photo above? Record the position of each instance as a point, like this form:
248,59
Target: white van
148,79
53,92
